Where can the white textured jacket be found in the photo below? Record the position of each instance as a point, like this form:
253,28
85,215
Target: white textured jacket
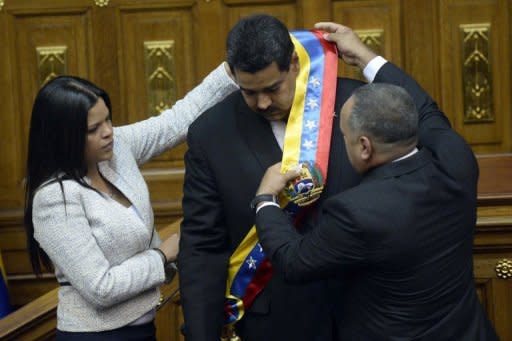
99,247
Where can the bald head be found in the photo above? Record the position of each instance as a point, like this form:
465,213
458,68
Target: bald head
385,112
380,123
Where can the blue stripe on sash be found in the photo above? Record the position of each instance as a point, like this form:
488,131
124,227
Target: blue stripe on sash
313,100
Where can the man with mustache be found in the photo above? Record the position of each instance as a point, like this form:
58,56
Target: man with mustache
230,147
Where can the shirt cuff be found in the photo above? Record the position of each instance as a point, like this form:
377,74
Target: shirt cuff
266,203
371,69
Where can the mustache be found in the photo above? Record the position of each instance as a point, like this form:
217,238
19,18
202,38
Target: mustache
266,112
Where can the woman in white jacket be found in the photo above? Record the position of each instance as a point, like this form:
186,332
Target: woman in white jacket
88,210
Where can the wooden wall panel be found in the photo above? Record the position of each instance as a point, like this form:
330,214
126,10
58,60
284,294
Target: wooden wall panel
171,27
495,293
103,64
13,249
9,149
493,240
69,30
484,87
210,33
24,31
484,292
312,12
501,316
286,11
166,186
420,44
24,289
143,33
377,23
496,171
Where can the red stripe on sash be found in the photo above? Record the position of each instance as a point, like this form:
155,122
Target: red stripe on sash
328,99
260,279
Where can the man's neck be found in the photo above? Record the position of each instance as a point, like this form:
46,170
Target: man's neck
397,153
394,154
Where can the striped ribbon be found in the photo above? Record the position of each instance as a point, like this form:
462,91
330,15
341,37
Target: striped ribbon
307,142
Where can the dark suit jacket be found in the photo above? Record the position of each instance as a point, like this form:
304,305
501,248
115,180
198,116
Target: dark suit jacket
400,242
230,147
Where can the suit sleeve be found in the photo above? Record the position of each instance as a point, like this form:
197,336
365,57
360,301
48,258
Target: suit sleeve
204,253
336,245
434,129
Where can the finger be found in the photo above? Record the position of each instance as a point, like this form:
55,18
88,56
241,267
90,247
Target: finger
329,36
327,26
277,165
291,174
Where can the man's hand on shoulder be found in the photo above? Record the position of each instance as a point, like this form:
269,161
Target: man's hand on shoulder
351,49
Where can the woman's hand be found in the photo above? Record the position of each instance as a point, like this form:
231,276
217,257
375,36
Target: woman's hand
170,247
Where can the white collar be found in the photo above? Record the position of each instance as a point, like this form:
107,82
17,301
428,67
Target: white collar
414,151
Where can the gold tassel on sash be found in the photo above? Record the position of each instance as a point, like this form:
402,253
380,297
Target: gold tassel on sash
229,334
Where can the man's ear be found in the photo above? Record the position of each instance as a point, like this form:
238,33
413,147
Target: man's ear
294,63
366,148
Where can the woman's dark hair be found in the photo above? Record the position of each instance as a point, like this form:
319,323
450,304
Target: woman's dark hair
56,144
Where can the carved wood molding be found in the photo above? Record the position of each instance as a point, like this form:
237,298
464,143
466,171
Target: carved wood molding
493,234
52,62
476,73
374,39
160,75
504,268
11,217
101,3
495,183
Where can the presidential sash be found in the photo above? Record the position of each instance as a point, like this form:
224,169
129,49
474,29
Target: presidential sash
307,143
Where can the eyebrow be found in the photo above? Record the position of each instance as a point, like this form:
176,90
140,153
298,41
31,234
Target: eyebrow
271,87
98,122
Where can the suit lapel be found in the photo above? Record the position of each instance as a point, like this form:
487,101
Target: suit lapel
257,133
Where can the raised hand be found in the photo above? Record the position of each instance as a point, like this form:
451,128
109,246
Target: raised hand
351,49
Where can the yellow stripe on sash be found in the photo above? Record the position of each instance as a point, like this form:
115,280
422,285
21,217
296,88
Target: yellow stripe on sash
291,150
240,254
